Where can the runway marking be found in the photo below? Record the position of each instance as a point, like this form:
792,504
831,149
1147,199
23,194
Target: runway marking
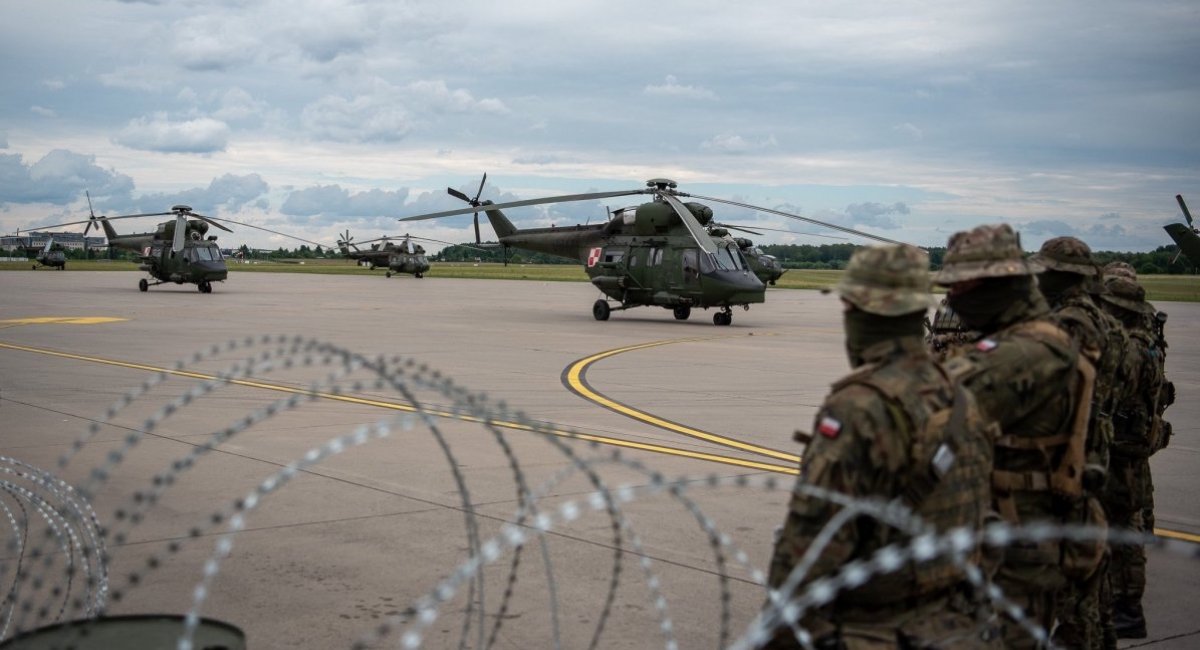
1175,534
408,408
63,320
574,377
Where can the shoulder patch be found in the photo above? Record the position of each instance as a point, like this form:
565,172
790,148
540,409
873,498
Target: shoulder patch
829,427
986,345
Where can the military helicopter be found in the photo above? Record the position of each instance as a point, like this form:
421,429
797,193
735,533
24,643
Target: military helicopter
1186,237
403,257
658,253
50,256
179,250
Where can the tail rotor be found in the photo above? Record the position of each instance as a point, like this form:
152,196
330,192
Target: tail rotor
473,201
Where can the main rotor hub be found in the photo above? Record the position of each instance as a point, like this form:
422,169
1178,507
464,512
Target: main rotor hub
661,183
181,208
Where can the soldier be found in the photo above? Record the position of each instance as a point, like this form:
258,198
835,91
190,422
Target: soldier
1027,375
897,427
1066,283
1138,433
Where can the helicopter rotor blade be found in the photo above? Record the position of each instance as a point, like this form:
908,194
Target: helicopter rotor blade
457,194
805,219
273,232
698,232
180,233
91,219
738,228
1186,213
439,241
210,220
807,234
566,198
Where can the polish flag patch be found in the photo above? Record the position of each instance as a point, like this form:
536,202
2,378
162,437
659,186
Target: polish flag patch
829,427
986,345
594,256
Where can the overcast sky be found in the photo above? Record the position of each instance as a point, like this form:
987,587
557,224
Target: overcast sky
908,119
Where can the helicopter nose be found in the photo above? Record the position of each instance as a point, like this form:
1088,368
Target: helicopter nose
213,270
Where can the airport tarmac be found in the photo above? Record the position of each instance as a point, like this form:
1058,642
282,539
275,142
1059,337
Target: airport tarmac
355,539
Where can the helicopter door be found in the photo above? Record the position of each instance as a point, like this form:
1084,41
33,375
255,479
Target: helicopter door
691,267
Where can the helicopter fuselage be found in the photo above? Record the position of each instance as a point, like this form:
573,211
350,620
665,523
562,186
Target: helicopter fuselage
645,257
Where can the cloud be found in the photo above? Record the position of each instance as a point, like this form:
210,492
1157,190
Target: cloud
878,215
200,135
336,201
437,96
229,192
672,88
238,105
1048,228
43,111
58,178
361,119
735,144
212,43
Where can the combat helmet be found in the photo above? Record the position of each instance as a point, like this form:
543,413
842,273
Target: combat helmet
1123,269
989,251
1126,294
1066,254
890,280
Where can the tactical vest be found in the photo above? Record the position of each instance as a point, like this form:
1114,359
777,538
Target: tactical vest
1136,424
1051,489
946,483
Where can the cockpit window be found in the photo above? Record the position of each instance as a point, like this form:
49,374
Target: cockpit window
730,259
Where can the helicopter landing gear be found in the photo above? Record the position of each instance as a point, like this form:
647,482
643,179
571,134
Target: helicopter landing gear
601,310
682,312
143,285
420,275
724,317
204,286
388,274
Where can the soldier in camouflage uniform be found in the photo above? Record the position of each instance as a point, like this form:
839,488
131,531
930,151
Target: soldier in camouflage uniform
1067,282
896,429
1029,376
1138,433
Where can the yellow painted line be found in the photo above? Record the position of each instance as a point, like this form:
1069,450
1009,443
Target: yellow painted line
574,379
408,408
63,320
1175,534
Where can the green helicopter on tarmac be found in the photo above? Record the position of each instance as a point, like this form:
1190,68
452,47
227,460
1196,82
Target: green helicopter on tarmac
660,253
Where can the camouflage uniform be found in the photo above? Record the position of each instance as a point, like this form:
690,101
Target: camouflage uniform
1137,434
1029,376
1083,612
897,428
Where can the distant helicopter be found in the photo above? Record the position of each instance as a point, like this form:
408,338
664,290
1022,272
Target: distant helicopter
403,257
1186,237
51,256
658,253
179,250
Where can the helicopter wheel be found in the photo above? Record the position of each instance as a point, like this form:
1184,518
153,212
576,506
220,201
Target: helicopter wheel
34,267
722,318
388,274
420,275
601,310
682,312
204,286
143,285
